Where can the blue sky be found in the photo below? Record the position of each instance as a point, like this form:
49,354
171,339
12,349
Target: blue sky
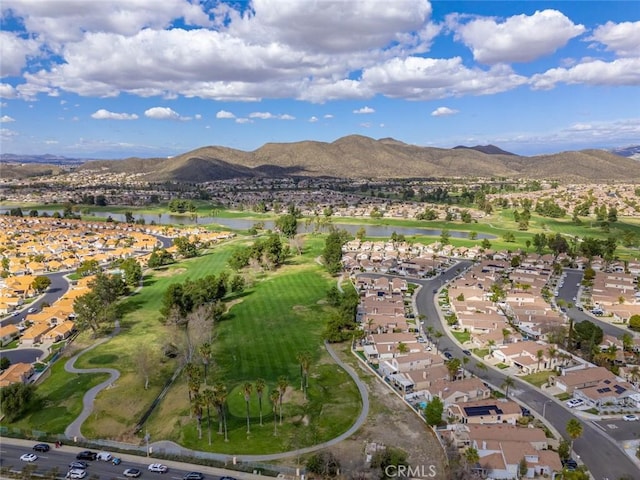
119,78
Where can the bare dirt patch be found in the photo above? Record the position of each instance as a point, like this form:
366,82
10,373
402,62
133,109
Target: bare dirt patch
170,272
390,422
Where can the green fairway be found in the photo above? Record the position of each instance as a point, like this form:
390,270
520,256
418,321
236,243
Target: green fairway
266,327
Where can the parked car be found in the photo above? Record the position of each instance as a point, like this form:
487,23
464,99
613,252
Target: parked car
193,476
574,402
76,473
31,310
78,465
448,355
158,468
570,464
86,455
116,460
467,352
29,457
132,473
630,418
41,447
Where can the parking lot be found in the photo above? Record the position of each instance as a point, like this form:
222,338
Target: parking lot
619,429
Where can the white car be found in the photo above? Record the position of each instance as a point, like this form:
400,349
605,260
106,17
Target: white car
29,457
104,456
76,473
158,467
574,402
630,418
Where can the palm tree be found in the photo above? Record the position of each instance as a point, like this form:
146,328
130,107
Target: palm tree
553,354
260,386
369,324
304,358
472,456
438,334
506,333
491,343
283,383
507,384
453,366
634,374
539,357
191,370
197,402
627,341
247,388
465,360
221,398
402,347
209,399
274,396
205,352
574,429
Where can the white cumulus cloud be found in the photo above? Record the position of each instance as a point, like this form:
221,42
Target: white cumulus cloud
268,116
6,119
225,114
103,114
364,110
163,113
622,38
622,71
14,52
521,38
443,111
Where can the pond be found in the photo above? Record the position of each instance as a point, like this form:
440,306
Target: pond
383,231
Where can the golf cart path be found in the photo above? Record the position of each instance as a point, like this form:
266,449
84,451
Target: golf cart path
173,448
73,431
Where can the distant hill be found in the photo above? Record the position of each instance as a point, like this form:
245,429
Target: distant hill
632,151
488,149
47,158
15,171
357,156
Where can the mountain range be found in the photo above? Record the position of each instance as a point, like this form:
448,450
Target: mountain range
357,156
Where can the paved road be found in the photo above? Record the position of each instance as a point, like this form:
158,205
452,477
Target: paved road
57,289
569,291
599,452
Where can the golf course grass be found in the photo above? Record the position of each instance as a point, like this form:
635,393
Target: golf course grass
280,314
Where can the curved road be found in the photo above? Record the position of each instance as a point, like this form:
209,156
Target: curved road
74,428
604,457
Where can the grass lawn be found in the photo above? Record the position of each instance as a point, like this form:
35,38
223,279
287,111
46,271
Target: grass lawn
538,379
563,396
259,337
481,352
502,366
461,336
58,401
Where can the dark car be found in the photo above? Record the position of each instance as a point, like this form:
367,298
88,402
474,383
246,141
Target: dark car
41,447
86,455
570,464
227,478
467,352
526,412
193,476
79,464
448,355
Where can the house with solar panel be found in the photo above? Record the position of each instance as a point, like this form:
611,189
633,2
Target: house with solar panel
486,411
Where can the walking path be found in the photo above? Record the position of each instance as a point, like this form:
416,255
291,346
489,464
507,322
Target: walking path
73,431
